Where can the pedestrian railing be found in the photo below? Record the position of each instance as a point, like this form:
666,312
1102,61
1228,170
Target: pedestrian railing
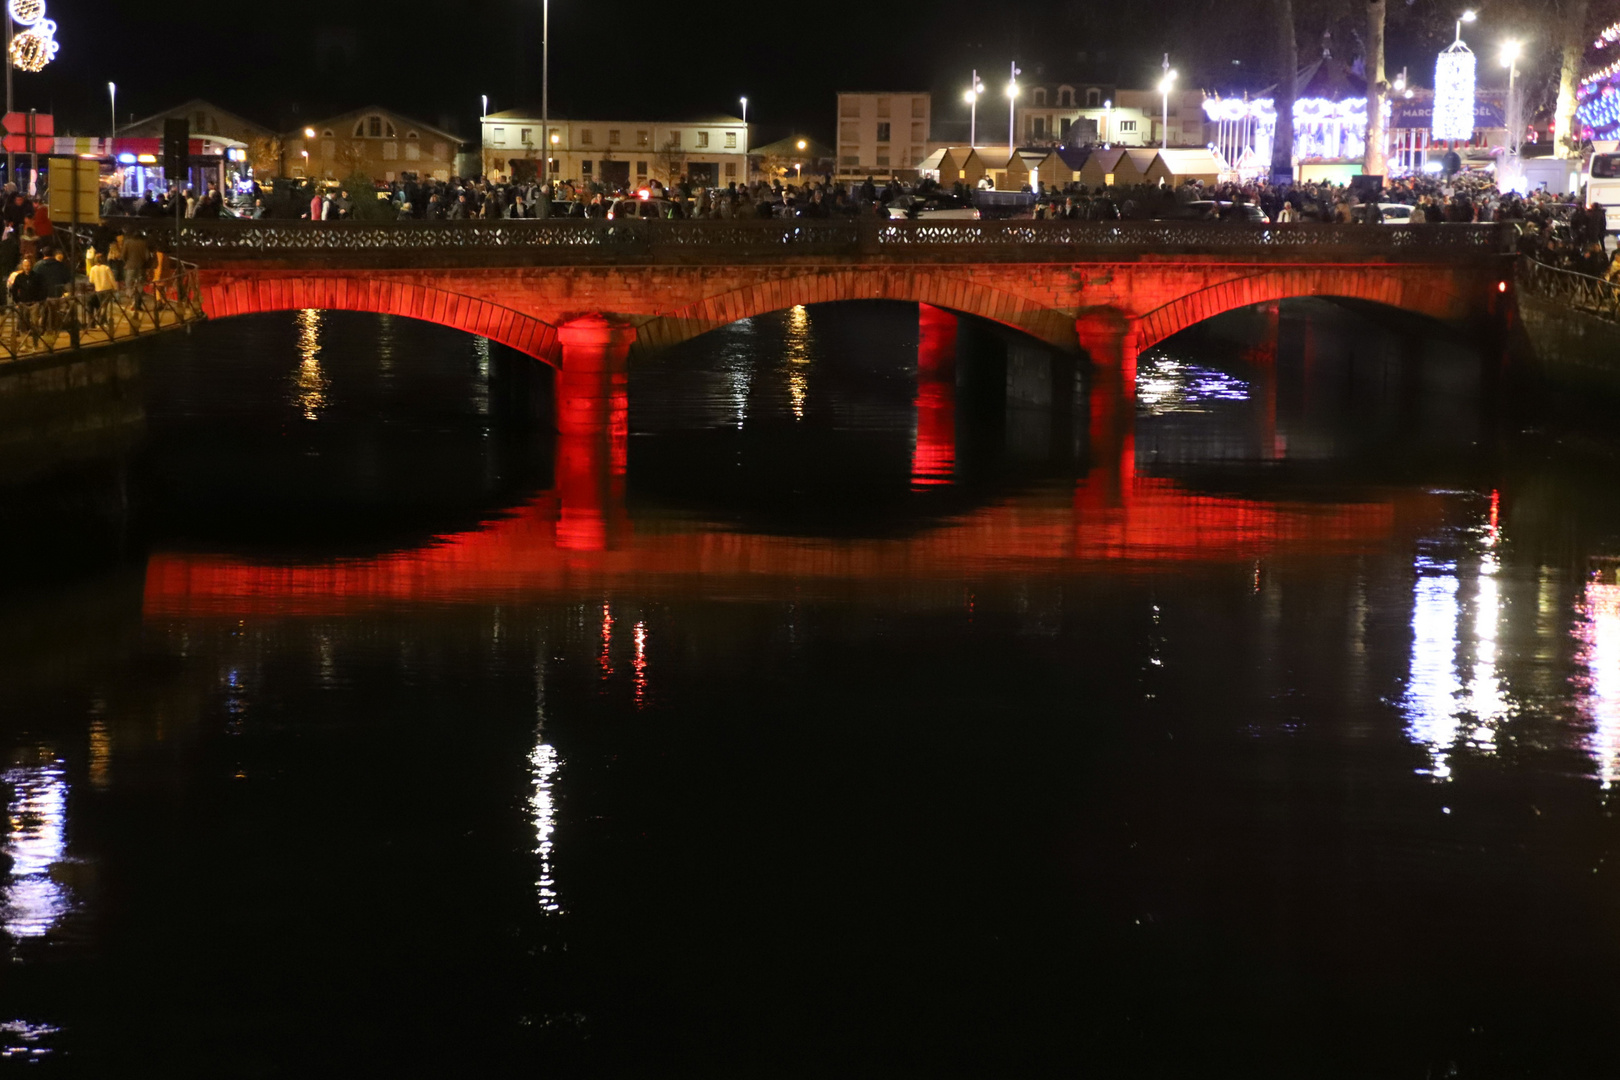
85,318
563,240
1572,289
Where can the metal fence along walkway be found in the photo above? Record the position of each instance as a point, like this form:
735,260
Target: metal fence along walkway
86,319
562,241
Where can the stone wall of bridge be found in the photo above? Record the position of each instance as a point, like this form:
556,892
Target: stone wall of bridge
1141,302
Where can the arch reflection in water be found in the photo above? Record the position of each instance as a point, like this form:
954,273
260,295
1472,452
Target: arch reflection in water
310,384
35,843
1597,639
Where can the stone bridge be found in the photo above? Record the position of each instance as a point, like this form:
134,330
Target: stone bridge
586,296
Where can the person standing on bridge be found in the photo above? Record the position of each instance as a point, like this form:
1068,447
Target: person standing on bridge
136,255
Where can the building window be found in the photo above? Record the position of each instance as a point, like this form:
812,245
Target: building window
585,167
412,150
883,106
500,137
1037,127
641,168
849,106
374,127
1066,97
390,150
585,137
675,138
1040,95
1127,125
883,133
641,138
328,147
919,107
526,136
613,136
731,140
703,139
1093,98
441,151
883,161
1067,123
731,169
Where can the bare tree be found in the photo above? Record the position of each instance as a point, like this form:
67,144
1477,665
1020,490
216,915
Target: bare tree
671,158
1373,164
1572,39
1282,145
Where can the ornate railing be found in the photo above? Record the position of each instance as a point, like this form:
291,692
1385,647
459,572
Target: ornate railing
563,240
1582,292
84,318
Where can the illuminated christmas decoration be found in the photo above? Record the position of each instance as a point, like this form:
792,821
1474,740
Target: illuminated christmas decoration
1597,98
1454,93
1324,129
26,12
1609,36
34,47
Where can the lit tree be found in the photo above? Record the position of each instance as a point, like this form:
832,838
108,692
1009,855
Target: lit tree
1572,34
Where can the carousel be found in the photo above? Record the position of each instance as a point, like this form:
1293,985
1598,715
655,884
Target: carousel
1330,122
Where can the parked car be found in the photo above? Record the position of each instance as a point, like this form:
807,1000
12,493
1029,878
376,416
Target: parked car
1395,213
935,206
644,209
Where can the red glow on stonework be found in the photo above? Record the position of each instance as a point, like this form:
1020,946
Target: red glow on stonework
1496,513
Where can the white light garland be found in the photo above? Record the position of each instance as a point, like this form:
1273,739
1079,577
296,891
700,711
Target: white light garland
1454,93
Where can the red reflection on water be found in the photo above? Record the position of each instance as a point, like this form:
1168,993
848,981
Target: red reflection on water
1112,517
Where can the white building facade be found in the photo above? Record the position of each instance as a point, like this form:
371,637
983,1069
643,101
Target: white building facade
707,151
882,133
1047,113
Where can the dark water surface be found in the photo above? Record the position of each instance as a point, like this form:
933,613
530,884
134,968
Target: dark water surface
860,726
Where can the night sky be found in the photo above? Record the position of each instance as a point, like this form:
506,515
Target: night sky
284,66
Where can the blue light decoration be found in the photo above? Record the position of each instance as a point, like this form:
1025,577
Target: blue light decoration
126,158
1597,98
1454,93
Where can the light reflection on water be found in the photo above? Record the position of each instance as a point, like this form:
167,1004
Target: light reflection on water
36,842
310,383
1167,384
1597,638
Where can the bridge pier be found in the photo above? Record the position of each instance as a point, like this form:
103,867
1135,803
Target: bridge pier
593,427
933,451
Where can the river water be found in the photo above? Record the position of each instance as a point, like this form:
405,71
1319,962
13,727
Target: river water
838,723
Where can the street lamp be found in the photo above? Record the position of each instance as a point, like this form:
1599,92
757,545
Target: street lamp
112,97
309,133
1108,118
745,138
1467,16
971,96
1165,84
1510,60
484,99
1012,104
545,83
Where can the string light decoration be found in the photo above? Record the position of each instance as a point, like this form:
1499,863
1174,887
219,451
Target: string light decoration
35,46
1454,92
1597,98
26,12
1609,36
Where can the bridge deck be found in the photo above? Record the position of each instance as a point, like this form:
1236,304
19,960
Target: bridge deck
572,241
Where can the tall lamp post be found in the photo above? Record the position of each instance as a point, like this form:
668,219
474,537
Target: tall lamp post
745,138
1012,105
1165,84
112,100
971,96
1510,60
545,89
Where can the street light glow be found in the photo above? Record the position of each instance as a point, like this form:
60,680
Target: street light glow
1012,88
1167,82
1510,53
309,133
1469,15
802,144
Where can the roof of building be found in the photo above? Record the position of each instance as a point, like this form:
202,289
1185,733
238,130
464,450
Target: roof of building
533,113
192,105
789,148
366,110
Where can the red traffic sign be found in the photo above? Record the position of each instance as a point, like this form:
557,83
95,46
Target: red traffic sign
16,123
22,144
